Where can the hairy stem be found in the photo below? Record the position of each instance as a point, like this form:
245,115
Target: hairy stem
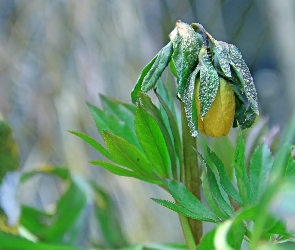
191,172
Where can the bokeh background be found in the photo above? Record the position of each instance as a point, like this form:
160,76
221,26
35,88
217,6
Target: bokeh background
58,54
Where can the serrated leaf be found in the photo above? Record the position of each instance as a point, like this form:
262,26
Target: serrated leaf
152,141
223,206
181,210
244,76
146,103
93,143
240,170
224,179
209,83
105,121
185,53
188,200
210,199
151,73
120,171
190,103
126,154
220,58
260,167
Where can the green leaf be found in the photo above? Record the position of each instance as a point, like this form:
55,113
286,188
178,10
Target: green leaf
12,242
221,59
9,155
65,218
220,205
34,220
93,143
183,211
173,127
105,121
288,133
188,200
220,238
260,167
241,174
117,170
210,199
190,103
276,176
145,102
151,73
224,179
209,83
121,111
245,79
235,235
127,155
107,219
207,242
290,170
185,53
152,141
58,171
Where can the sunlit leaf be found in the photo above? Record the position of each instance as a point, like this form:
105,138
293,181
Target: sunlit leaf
126,154
152,141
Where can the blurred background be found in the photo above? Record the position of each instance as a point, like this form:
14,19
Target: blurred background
56,55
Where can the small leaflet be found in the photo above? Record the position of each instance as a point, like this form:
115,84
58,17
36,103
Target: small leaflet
244,76
185,53
209,83
220,51
190,104
152,71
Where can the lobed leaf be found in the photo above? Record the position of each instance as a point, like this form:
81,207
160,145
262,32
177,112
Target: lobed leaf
188,200
126,154
182,210
151,73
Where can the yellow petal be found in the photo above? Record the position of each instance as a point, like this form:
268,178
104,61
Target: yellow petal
219,119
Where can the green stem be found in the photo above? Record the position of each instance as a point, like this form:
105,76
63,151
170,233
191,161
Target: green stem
191,172
189,238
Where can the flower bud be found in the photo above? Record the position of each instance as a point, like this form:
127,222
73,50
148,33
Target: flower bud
219,119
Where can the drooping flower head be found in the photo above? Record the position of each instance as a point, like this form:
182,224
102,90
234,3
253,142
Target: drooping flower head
214,82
